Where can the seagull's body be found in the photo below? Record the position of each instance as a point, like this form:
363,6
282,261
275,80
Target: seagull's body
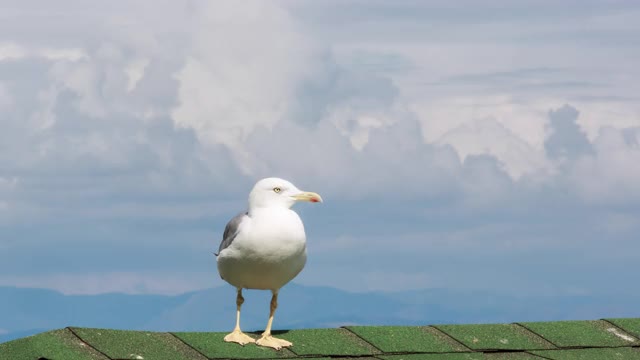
264,248
268,252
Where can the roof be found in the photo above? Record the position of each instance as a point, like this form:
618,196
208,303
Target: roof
565,340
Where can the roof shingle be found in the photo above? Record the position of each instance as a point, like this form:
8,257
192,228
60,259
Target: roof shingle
582,333
565,340
408,339
495,337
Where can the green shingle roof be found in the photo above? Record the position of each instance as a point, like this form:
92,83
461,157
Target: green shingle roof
565,340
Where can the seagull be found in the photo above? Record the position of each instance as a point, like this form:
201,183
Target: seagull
264,248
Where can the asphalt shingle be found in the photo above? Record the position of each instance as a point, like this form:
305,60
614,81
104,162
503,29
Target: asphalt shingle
596,333
327,342
456,356
57,344
137,345
407,339
632,326
495,337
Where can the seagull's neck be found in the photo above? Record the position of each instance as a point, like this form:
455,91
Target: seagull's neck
267,210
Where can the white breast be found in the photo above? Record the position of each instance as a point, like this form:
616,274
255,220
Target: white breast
268,252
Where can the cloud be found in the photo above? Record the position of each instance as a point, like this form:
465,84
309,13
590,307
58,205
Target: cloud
596,171
229,87
15,52
11,51
607,175
491,138
567,141
132,136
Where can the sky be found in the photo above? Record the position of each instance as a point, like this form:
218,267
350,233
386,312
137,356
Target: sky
469,145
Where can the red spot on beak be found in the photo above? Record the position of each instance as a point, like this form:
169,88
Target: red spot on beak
314,200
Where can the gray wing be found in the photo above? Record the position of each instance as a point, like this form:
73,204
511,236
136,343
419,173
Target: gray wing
231,230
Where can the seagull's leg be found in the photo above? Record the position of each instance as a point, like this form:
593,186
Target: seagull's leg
266,339
237,335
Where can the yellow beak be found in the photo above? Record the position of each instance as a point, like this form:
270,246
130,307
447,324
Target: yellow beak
307,196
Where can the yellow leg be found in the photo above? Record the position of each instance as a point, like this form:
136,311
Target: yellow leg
266,339
237,336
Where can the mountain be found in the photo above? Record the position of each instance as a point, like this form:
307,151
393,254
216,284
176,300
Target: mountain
27,311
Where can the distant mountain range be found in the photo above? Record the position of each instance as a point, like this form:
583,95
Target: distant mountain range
27,311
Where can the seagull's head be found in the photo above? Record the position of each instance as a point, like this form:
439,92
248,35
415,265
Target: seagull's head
271,192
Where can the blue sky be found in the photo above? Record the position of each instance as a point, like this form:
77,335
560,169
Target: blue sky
490,145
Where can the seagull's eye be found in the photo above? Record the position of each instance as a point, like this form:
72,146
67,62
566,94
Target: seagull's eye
276,190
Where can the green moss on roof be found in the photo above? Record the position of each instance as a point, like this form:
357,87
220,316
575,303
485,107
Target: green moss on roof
57,344
327,342
567,340
591,354
407,339
581,333
495,337
137,345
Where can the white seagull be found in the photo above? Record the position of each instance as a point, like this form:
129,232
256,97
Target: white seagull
264,248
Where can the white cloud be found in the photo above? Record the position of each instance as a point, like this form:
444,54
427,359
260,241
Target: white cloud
525,120
68,54
357,126
11,51
610,175
595,115
488,137
241,72
238,77
512,131
135,72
